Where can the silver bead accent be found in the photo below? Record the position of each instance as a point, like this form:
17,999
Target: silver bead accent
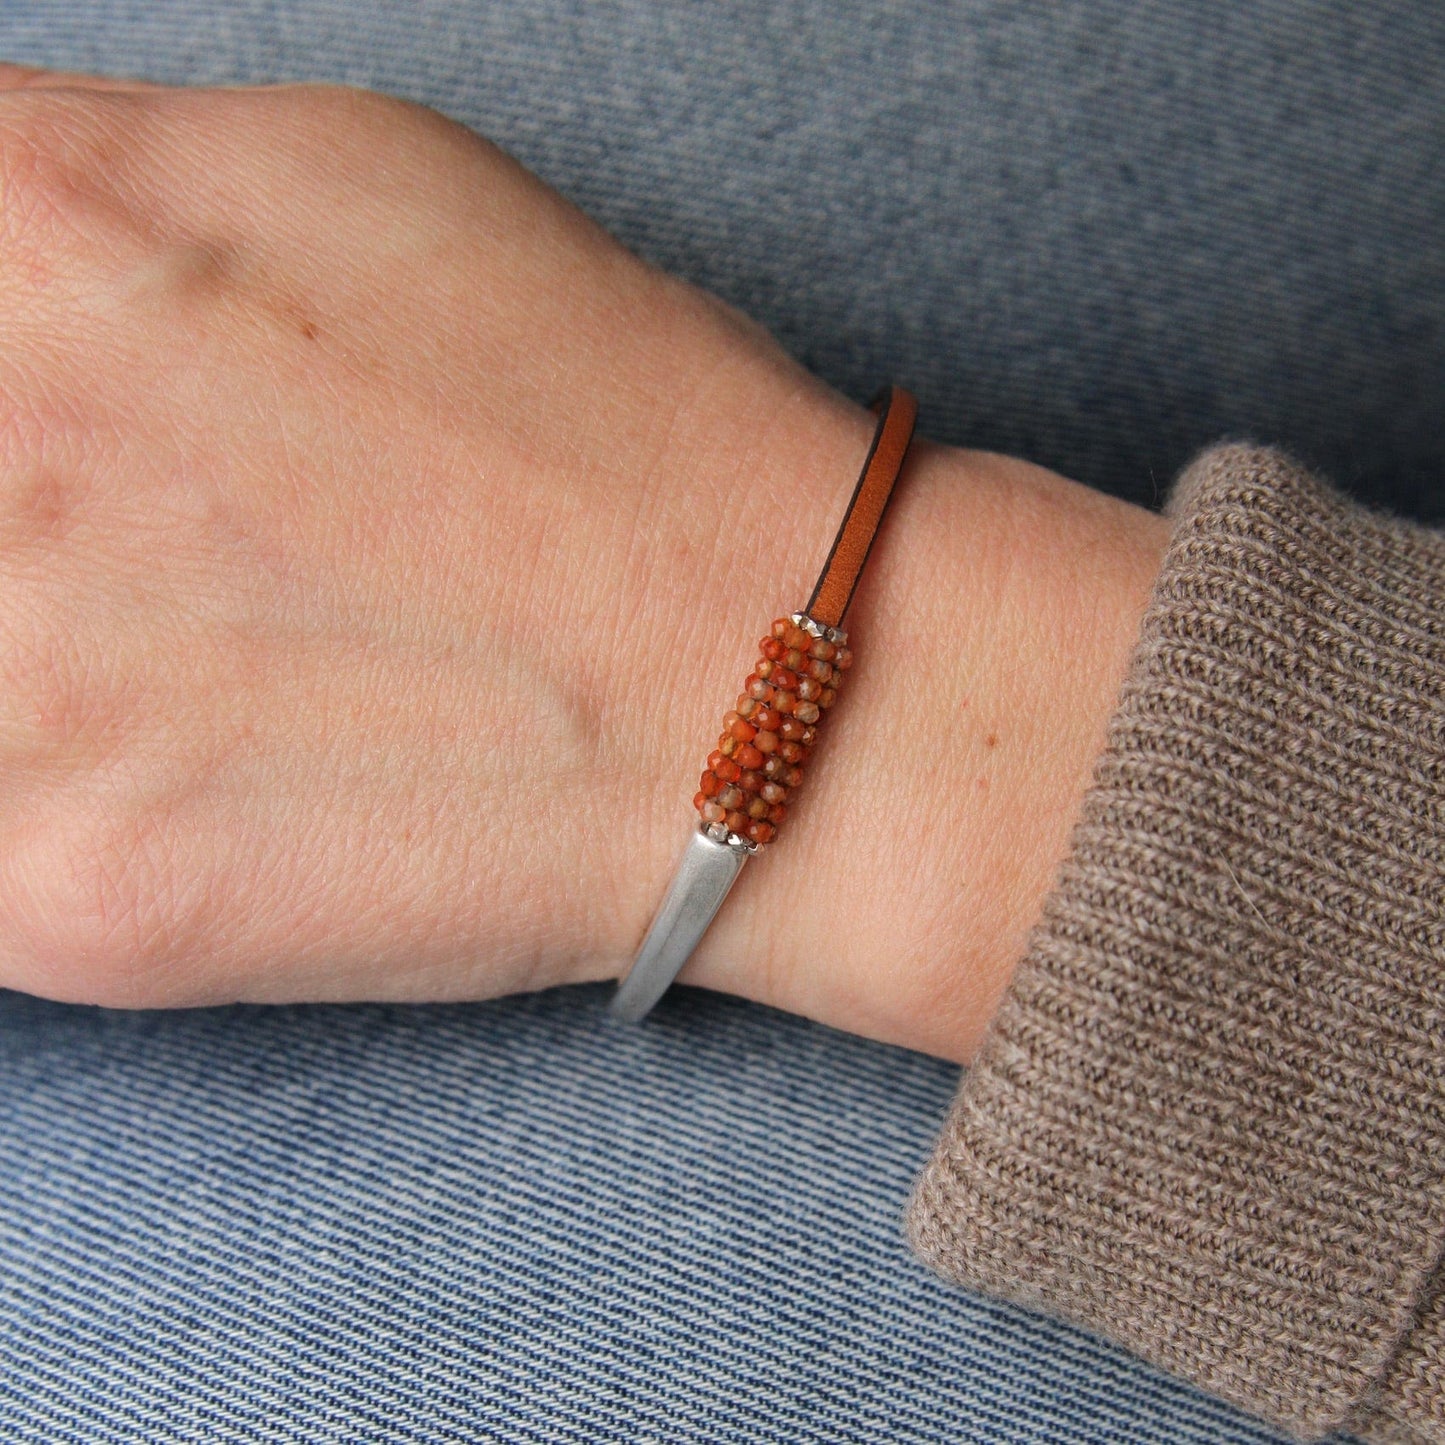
835,635
721,833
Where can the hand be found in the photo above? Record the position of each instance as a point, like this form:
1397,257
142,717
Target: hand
380,545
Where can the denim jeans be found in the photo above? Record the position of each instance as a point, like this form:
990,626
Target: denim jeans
1098,235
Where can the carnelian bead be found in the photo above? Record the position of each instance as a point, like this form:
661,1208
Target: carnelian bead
750,782
767,719
773,793
744,731
713,812
762,832
827,697
727,745
822,649
843,660
711,785
790,729
777,814
771,648
746,706
789,751
793,777
819,671
757,808
792,659
698,799
805,712
780,627
766,742
784,701
713,759
764,668
774,767
783,677
738,823
810,736
758,687
731,796
796,637
809,688
748,756
726,769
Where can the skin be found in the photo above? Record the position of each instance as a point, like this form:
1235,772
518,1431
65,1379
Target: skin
381,545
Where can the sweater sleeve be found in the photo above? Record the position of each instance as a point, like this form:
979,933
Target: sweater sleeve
1208,1120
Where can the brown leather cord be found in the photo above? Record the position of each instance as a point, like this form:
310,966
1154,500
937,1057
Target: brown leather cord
897,413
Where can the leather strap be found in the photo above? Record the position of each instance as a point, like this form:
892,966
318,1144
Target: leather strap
897,412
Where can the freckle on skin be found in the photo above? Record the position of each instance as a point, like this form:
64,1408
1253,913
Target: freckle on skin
991,741
45,508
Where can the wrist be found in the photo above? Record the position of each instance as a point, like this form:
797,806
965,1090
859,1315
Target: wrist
992,630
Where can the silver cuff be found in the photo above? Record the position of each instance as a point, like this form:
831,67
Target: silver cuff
707,870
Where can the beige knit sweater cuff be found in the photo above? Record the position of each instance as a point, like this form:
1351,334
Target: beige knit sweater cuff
1209,1119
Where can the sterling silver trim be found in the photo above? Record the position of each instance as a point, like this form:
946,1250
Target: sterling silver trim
705,874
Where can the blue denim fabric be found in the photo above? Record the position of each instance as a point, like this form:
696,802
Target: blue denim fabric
1095,234
509,1222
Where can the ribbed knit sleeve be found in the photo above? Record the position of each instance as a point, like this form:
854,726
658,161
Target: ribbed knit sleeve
1209,1118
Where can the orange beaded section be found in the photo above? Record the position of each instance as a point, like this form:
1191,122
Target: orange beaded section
770,733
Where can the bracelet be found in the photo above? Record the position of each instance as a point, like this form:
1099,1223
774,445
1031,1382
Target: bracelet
770,735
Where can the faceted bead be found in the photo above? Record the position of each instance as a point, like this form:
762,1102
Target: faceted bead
713,812
843,660
748,756
746,706
793,777
822,649
731,796
783,677
771,648
727,745
792,659
819,671
790,752
790,729
751,782
784,701
744,731
759,688
766,742
698,799
773,793
764,668
809,688
738,823
827,697
757,808
766,719
762,832
726,769
796,637
776,814
806,712
781,627
810,736
711,785
775,767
